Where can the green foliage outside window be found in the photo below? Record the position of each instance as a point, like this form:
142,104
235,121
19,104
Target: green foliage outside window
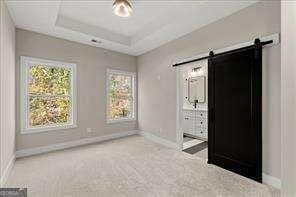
120,96
49,95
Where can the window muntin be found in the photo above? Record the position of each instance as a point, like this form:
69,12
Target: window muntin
48,95
120,96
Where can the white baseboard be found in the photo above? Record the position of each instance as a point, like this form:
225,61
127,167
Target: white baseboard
272,181
7,171
61,146
158,139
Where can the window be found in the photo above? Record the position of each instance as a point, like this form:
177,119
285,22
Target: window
48,93
120,96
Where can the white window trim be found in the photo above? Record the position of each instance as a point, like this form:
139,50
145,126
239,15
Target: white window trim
134,98
25,63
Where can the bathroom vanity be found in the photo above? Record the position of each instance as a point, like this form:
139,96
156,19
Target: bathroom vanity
195,123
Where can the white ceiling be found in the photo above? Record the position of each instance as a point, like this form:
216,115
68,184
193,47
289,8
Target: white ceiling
151,24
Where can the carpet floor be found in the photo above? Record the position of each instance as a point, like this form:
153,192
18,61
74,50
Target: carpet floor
131,166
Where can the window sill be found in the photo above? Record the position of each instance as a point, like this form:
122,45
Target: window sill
120,120
46,129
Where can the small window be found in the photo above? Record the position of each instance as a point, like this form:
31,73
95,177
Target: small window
48,91
120,96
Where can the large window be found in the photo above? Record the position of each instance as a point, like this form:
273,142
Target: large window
48,95
120,96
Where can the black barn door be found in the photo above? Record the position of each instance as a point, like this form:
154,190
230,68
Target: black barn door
235,136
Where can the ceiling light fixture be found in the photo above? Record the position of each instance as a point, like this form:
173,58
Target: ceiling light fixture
122,8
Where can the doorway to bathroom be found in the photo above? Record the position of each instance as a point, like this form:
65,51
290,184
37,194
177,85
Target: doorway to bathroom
194,108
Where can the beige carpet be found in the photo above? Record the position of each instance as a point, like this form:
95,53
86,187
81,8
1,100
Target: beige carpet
131,166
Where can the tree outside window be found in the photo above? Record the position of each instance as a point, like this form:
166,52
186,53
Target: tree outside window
120,95
48,99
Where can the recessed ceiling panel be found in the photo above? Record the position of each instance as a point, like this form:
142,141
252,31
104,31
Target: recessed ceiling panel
99,13
151,24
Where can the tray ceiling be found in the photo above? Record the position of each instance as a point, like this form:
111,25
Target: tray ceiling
152,23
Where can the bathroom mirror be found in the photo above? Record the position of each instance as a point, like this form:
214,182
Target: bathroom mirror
196,89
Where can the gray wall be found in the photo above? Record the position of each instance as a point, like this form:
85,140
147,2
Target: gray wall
157,79
7,88
288,62
91,63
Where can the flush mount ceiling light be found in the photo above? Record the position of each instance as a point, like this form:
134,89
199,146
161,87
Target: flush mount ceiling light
122,8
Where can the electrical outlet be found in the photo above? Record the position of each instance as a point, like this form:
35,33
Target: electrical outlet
89,130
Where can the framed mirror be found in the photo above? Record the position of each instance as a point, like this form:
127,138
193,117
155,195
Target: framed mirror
196,89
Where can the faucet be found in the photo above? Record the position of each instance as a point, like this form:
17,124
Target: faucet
195,102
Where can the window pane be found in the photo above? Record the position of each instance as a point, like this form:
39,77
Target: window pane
49,80
48,110
120,96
